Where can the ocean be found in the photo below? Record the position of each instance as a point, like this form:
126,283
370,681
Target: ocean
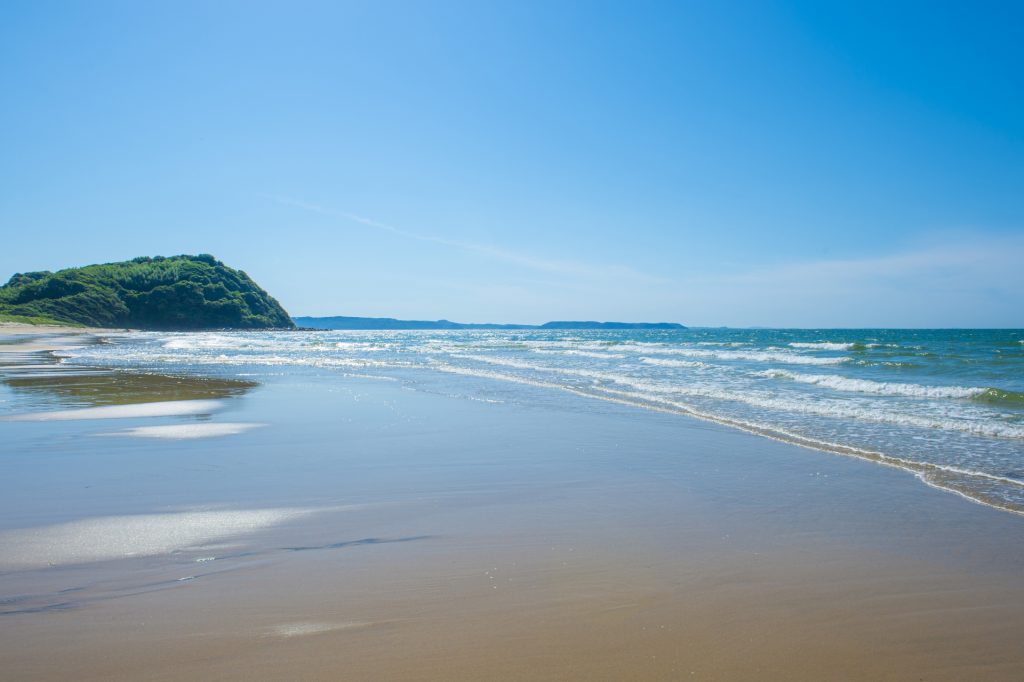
947,405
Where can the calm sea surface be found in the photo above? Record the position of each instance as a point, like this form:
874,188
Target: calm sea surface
945,404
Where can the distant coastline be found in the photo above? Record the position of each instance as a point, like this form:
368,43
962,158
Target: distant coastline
338,322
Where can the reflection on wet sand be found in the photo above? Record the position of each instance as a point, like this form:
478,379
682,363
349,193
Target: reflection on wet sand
96,388
186,431
136,535
42,379
162,408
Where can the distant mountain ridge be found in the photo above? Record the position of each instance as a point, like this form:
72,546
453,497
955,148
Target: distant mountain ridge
172,293
339,322
570,324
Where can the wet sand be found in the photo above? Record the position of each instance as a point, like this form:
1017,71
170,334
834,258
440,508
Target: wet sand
20,338
366,531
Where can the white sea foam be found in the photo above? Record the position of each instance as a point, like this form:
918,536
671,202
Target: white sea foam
822,345
579,353
170,408
766,356
775,402
221,341
197,342
122,537
187,431
779,357
964,421
662,362
840,383
505,362
362,346
258,360
731,344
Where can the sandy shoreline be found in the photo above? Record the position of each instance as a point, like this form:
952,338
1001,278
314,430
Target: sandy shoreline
28,338
396,534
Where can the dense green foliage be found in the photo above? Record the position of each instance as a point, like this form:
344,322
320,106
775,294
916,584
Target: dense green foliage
181,292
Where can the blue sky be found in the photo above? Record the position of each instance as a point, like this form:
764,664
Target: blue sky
712,163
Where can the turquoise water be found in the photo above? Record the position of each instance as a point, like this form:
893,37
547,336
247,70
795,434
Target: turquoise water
947,405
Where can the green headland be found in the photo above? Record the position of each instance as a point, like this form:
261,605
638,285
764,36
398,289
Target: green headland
178,292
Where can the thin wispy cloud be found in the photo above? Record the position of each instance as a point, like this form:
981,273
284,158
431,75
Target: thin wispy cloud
557,266
993,260
966,279
980,278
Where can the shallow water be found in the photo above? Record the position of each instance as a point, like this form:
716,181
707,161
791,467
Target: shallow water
945,404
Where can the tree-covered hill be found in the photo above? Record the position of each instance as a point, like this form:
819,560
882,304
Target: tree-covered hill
180,292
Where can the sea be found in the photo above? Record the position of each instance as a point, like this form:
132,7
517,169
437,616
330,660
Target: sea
946,405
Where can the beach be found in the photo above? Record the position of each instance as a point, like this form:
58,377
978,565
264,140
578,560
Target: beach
239,520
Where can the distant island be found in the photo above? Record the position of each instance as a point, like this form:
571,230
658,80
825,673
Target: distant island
178,292
194,293
340,322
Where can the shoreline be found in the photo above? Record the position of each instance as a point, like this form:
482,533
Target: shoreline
926,473
368,531
937,476
28,338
